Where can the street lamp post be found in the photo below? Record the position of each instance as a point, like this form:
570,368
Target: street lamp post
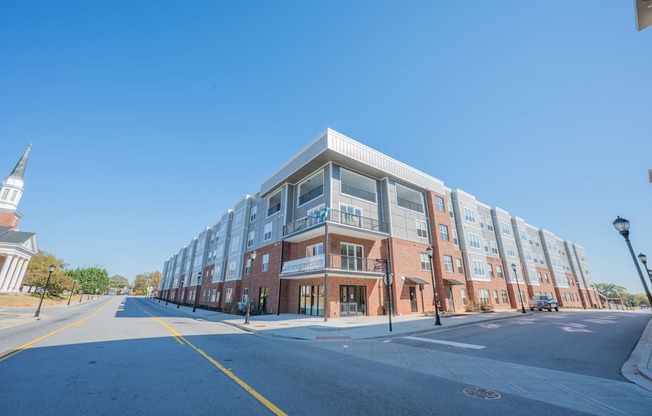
47,282
179,297
518,287
194,308
169,290
74,281
251,272
643,258
430,251
622,225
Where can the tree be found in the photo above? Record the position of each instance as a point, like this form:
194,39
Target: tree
146,280
611,290
118,282
38,270
91,279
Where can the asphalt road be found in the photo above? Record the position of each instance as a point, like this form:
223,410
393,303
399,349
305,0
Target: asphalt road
127,356
589,343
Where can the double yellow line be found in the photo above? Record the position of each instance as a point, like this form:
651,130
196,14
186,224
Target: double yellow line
182,340
26,346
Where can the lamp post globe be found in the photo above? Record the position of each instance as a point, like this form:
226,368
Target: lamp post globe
430,251
622,225
643,258
47,282
518,287
252,256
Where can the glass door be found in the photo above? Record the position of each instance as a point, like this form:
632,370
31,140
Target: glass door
353,300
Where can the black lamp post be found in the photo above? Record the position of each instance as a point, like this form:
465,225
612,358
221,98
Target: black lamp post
47,282
622,225
518,287
169,290
429,251
251,273
179,297
74,281
194,308
643,258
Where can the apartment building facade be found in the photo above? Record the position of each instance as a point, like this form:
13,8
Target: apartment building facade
333,225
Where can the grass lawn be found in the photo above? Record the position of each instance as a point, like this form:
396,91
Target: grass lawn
27,300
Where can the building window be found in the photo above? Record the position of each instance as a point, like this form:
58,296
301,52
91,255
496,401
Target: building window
486,245
455,240
350,215
13,195
245,294
499,271
478,268
315,250
267,232
448,263
422,229
265,264
484,295
469,215
252,215
496,299
425,261
474,241
439,204
443,232
274,204
351,256
490,225
250,239
463,295
237,220
494,247
312,188
409,198
450,210
503,293
506,229
229,295
357,186
458,263
490,269
232,270
248,267
510,250
235,244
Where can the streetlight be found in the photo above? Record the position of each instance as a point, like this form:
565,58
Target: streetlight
194,308
179,298
622,225
643,258
251,272
47,282
429,251
518,287
169,290
72,290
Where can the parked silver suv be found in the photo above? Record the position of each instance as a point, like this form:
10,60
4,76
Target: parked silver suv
543,302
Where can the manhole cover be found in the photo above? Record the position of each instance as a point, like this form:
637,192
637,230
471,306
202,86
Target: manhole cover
482,393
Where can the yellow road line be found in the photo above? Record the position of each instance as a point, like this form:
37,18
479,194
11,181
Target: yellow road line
18,350
223,369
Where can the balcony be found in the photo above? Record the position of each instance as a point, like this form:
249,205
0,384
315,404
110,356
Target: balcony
341,223
348,265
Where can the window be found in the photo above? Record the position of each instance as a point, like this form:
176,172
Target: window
13,195
490,268
351,256
274,204
265,264
496,299
448,263
506,229
455,240
503,293
499,271
350,214
237,220
439,204
235,244
478,268
250,239
220,251
443,232
490,225
422,229
425,261
528,255
474,241
311,188
315,250
486,245
469,215
409,198
252,215
480,223
458,263
357,185
245,294
267,232
229,295
232,270
450,210
484,295
510,250
248,267
463,295
494,247
5,194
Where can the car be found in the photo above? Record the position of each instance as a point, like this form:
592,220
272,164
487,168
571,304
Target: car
543,302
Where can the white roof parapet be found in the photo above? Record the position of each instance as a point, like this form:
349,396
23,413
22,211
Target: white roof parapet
345,149
502,211
459,191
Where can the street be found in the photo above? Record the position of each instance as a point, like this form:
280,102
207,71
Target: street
131,356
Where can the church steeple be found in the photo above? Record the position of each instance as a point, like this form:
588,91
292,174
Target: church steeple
11,191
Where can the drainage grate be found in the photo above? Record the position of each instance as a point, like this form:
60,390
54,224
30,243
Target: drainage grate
479,393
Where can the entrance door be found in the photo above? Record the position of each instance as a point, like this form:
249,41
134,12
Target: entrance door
353,300
413,299
451,301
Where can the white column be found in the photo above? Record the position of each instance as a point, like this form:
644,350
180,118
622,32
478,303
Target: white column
3,271
7,270
14,286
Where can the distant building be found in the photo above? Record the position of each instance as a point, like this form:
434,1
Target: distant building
324,225
16,247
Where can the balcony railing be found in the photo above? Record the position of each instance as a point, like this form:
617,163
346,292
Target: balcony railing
409,204
335,262
338,217
359,193
311,195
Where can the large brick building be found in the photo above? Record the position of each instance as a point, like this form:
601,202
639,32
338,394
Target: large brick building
16,247
325,225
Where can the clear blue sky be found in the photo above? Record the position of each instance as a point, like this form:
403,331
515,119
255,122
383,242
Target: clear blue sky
150,119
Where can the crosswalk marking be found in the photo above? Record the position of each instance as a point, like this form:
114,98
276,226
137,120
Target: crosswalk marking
451,343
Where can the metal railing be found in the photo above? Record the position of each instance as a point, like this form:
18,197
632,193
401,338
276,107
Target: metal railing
409,204
345,263
359,193
338,217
